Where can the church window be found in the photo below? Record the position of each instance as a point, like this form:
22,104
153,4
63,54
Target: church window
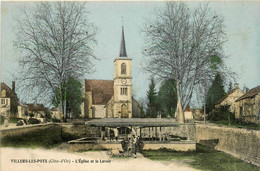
123,68
123,91
2,101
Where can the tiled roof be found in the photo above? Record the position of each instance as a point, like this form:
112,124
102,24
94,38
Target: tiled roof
224,97
36,107
102,90
251,93
150,122
8,90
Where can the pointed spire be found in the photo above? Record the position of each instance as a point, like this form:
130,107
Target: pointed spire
122,46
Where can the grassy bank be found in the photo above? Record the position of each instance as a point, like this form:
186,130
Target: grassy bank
46,138
203,159
251,126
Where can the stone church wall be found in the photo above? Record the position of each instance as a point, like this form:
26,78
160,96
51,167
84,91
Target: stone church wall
241,143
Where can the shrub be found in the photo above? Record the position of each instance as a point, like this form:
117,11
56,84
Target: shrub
2,119
222,114
31,115
55,120
33,121
48,116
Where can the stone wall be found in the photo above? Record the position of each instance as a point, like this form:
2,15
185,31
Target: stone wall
78,130
26,129
81,130
241,143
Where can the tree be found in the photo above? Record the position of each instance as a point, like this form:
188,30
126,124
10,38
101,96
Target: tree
167,98
230,86
151,96
215,93
56,40
73,97
184,45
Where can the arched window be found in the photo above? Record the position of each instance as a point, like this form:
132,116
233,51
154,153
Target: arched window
123,68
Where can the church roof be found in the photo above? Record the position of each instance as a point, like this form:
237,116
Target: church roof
102,90
122,46
36,107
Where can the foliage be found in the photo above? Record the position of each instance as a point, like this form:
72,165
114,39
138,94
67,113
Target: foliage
2,119
185,45
215,93
222,114
151,96
55,120
56,40
167,98
31,115
33,121
48,116
26,113
203,159
73,96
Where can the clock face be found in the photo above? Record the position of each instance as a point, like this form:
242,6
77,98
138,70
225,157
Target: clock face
123,81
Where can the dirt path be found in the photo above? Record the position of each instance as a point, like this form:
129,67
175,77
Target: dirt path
26,159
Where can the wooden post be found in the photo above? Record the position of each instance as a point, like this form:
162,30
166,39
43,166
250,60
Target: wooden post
149,134
160,133
156,133
140,132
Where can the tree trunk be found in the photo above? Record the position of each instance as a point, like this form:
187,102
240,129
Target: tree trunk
179,112
61,104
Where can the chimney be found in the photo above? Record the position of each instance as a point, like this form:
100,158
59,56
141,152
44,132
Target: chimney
236,86
13,86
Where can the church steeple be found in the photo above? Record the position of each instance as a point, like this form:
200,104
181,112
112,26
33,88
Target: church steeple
122,46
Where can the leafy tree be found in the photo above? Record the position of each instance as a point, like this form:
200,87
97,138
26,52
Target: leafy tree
56,41
151,96
73,96
215,93
185,45
167,98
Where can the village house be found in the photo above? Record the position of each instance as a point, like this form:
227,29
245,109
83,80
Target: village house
188,113
8,100
22,110
248,106
38,110
229,99
55,113
112,98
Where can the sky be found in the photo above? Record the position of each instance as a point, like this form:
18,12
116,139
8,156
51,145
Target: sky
241,20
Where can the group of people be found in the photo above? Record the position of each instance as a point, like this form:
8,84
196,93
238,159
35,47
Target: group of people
130,143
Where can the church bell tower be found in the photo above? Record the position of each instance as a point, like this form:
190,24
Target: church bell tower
122,83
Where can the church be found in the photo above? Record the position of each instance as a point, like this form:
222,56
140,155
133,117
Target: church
112,98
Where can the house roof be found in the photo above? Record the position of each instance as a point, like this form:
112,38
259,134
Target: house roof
36,107
8,90
224,97
102,90
251,93
124,122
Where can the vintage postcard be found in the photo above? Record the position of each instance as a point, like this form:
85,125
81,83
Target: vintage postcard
130,85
